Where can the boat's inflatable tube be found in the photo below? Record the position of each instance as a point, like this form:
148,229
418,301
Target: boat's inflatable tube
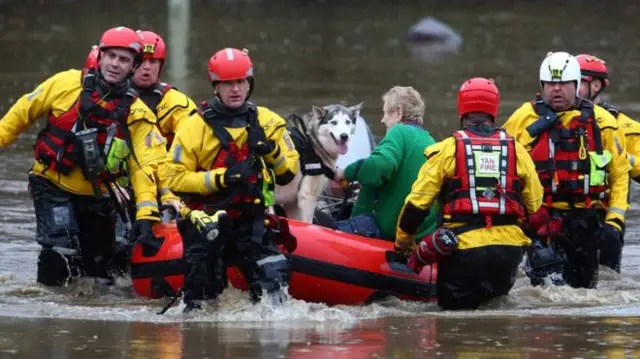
328,267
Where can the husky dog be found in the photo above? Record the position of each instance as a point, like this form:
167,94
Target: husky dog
320,137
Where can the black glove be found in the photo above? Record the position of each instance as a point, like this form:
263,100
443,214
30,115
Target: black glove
240,172
141,233
609,236
258,141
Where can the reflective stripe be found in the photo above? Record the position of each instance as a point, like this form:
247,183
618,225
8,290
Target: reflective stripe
177,152
147,204
619,211
208,181
618,144
279,162
471,171
503,170
491,205
271,259
164,191
632,160
552,156
159,137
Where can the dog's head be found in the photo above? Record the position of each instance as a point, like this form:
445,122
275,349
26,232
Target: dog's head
334,126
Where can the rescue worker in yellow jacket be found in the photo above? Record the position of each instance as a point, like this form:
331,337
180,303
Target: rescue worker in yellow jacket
595,79
581,161
95,123
170,106
487,183
227,157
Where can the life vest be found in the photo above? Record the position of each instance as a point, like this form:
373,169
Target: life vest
56,144
152,98
235,199
564,157
485,189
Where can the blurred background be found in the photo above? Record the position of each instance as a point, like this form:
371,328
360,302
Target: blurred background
315,53
320,52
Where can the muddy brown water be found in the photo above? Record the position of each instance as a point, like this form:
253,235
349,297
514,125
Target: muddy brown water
317,52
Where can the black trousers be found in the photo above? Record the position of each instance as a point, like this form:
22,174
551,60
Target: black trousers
471,277
579,248
262,264
76,233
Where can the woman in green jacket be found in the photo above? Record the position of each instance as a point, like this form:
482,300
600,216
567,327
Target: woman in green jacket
387,175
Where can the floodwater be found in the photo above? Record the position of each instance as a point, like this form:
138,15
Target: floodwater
312,52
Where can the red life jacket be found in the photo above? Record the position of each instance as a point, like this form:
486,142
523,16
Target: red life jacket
233,200
561,155
485,189
56,145
152,98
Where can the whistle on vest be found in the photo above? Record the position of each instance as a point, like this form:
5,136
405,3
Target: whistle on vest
91,157
542,124
582,150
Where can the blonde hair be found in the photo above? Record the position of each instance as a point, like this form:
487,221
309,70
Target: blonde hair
409,100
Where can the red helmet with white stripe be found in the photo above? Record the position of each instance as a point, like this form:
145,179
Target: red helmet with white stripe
230,64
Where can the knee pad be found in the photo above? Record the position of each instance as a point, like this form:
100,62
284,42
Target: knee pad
273,272
55,269
542,261
56,225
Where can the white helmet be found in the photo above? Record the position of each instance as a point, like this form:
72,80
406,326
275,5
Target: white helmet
560,67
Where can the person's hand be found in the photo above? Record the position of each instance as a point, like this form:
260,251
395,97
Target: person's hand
258,141
239,173
175,204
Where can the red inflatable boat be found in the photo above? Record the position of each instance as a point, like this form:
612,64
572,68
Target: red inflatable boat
328,267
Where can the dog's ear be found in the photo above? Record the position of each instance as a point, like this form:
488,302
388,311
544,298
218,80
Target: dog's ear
355,110
319,112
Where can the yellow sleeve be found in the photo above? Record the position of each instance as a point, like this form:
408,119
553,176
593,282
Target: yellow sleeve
284,159
32,106
440,164
161,176
174,108
150,154
618,169
633,153
631,132
192,140
618,177
532,191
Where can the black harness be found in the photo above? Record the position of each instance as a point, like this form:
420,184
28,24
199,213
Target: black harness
310,162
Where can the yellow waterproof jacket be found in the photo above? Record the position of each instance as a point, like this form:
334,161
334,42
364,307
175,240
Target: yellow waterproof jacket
440,165
172,110
618,169
57,95
195,149
631,132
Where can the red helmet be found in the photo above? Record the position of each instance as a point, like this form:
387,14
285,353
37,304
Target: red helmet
92,58
153,45
230,64
592,68
478,95
121,37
